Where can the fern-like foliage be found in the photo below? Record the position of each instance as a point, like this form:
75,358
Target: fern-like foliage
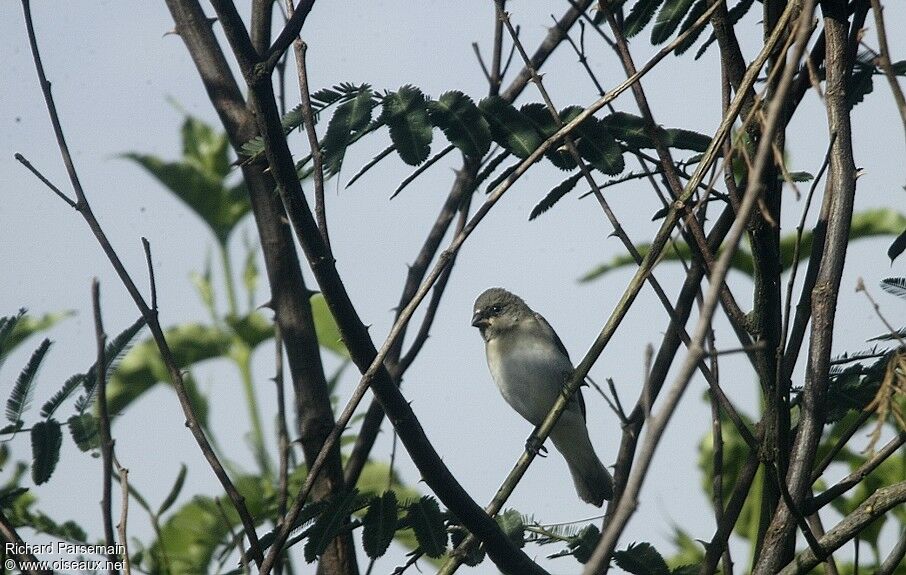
113,353
20,397
895,286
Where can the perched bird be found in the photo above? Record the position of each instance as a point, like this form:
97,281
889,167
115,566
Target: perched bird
530,365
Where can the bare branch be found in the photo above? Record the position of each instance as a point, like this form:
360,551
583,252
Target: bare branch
150,315
876,505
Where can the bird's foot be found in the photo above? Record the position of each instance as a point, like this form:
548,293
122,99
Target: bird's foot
535,447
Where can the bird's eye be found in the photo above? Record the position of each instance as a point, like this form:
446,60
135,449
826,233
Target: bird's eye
495,309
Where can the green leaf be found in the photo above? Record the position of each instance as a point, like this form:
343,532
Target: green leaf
629,128
509,127
113,354
897,246
342,92
428,524
192,533
462,123
379,524
17,328
250,272
84,431
174,491
205,286
694,14
347,122
583,545
639,16
597,146
475,554
20,397
641,559
866,224
545,125
7,325
326,327
685,139
669,17
895,286
46,439
555,195
199,178
57,399
405,113
513,527
333,519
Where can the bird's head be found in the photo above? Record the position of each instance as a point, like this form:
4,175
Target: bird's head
496,311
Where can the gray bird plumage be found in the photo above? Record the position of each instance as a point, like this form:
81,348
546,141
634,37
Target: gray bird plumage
530,365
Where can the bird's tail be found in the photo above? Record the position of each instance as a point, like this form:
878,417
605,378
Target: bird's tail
593,482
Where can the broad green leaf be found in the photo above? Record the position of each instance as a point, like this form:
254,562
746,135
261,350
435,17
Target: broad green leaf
326,327
379,524
428,524
20,396
669,17
199,178
192,533
17,328
867,224
686,140
555,195
629,128
142,367
689,553
598,147
84,430
509,127
347,122
405,113
46,439
462,123
174,491
641,559
639,16
545,125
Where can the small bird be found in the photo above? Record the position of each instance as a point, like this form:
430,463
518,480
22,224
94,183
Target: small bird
530,365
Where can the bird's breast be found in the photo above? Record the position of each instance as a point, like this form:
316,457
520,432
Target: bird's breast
529,376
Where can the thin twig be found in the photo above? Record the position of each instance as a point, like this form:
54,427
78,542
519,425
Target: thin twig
283,444
123,476
857,475
884,61
104,426
876,505
317,157
628,503
150,315
146,245
22,160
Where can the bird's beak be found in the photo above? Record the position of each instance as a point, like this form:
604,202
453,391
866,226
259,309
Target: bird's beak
479,320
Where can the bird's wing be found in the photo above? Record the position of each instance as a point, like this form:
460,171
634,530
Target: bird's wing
578,396
550,331
553,335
